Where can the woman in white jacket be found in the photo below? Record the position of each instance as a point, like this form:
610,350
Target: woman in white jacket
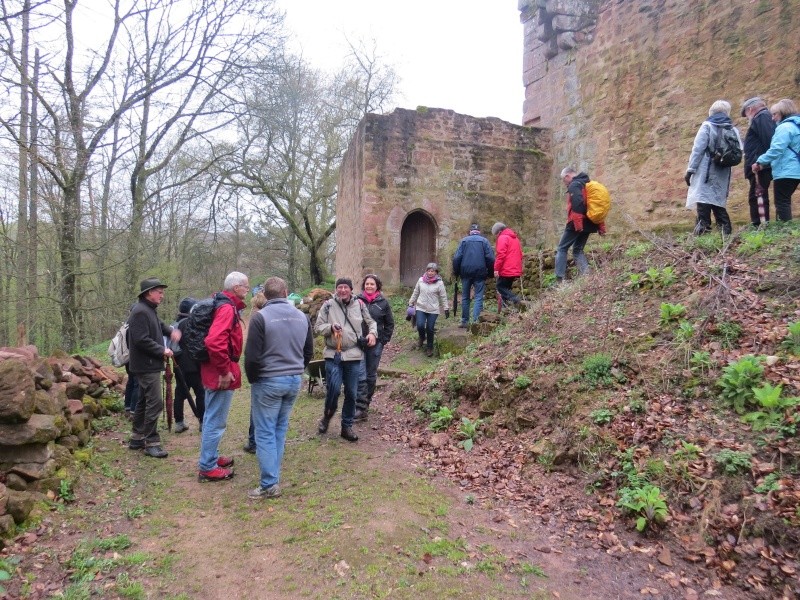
430,300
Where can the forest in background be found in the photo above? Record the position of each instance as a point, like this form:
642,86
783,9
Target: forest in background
172,138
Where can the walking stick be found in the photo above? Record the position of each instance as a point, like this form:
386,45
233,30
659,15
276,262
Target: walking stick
762,213
168,396
181,379
455,298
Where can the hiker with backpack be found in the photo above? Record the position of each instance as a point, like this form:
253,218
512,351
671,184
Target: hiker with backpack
220,372
473,262
717,148
508,264
783,156
187,373
146,333
756,142
579,225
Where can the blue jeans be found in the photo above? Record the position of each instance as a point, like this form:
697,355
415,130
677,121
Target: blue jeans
215,420
272,399
131,391
577,241
345,372
425,327
368,375
479,285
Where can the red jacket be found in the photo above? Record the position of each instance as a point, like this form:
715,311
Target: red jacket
224,344
509,254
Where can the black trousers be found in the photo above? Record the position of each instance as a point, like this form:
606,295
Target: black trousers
193,382
764,177
784,188
704,218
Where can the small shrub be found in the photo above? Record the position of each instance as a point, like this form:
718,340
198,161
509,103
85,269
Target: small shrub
647,502
738,380
771,483
773,408
469,431
700,361
597,370
728,332
601,416
685,332
671,312
66,493
638,250
687,452
441,419
792,341
522,382
732,461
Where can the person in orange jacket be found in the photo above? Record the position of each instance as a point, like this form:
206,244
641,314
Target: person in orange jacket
508,262
578,227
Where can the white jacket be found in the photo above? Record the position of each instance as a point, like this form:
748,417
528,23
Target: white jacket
429,297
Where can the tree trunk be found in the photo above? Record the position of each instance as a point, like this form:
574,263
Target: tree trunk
22,206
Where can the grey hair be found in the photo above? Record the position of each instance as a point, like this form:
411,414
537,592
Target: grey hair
785,107
567,170
720,106
498,227
233,279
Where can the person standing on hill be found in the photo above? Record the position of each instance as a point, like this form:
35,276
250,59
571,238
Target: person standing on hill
221,376
147,353
472,262
756,142
430,300
508,264
783,156
578,227
280,345
187,376
709,183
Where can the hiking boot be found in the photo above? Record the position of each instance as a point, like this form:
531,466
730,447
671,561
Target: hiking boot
180,427
156,452
272,491
463,325
136,444
361,414
129,414
349,434
224,462
249,448
216,474
421,344
325,421
429,352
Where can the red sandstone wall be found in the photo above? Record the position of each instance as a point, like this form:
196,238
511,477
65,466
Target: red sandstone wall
456,168
624,85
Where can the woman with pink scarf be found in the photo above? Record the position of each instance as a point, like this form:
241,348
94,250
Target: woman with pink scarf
430,299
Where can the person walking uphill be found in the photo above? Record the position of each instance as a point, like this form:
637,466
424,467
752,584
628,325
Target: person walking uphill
709,183
508,265
221,376
783,156
340,322
430,299
756,142
578,227
473,262
381,313
280,345
146,334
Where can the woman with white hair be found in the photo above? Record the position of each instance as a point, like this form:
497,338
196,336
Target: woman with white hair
709,183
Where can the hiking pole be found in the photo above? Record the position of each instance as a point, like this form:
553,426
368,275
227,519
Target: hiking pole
168,396
762,212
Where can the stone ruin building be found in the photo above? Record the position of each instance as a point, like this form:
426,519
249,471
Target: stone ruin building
615,87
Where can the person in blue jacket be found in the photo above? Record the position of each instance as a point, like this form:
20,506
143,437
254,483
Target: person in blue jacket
473,262
783,156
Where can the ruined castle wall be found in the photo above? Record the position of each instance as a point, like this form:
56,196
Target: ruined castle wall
625,84
455,168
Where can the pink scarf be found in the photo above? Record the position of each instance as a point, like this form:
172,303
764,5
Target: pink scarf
370,297
429,280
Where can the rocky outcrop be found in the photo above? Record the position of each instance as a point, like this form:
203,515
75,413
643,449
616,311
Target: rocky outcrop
46,407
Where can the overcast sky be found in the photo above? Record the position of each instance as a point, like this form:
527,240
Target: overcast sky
464,55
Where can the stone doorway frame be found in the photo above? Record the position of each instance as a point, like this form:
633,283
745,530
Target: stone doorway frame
418,236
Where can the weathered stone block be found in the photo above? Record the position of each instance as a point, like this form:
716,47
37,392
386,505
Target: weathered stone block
37,429
17,392
20,505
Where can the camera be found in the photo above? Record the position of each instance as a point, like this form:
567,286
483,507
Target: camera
361,342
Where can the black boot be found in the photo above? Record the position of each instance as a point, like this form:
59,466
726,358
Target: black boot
361,414
349,434
325,420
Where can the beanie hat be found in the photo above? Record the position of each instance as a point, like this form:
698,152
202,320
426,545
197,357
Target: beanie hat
498,227
186,305
344,281
474,229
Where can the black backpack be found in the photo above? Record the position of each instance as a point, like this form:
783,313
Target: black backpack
199,322
726,150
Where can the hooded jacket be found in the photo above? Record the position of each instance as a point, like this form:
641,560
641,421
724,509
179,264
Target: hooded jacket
381,313
782,154
576,205
509,254
224,345
710,183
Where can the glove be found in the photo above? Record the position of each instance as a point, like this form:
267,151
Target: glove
688,178
601,229
446,313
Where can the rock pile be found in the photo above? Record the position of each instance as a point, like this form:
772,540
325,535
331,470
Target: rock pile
46,407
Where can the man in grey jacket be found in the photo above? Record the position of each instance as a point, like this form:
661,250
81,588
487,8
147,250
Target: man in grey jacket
279,346
339,320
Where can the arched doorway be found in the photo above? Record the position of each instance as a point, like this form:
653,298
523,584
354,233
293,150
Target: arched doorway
417,246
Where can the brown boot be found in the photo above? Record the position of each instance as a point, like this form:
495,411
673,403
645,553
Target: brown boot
349,434
325,420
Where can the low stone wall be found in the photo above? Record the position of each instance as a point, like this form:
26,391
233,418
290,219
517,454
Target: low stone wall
46,407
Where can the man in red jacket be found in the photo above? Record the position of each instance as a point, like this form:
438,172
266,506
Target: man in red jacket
221,376
508,263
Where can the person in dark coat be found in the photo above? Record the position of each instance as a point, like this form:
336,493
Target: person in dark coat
473,262
187,375
578,227
381,313
756,142
146,333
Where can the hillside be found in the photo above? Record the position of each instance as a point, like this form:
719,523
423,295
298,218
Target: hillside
660,391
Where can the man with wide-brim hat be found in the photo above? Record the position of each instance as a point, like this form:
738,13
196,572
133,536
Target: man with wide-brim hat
146,334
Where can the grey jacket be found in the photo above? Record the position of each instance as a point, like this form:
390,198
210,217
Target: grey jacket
333,312
279,341
710,183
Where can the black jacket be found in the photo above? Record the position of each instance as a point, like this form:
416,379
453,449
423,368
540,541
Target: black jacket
146,338
381,313
758,139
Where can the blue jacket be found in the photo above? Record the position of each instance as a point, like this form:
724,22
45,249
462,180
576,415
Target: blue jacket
474,258
782,153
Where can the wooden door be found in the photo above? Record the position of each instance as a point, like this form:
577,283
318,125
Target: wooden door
417,246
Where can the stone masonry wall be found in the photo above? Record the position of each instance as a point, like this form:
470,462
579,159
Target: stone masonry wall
625,84
456,168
